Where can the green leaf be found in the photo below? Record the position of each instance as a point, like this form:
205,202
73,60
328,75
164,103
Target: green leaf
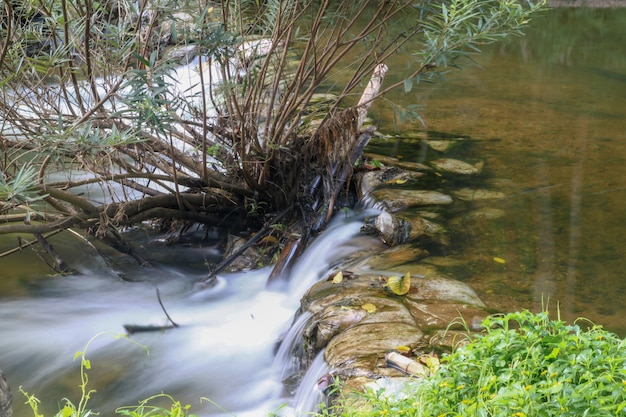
399,285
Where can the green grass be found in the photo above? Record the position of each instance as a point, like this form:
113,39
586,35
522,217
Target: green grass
522,365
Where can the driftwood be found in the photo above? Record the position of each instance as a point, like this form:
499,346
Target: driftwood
325,188
407,365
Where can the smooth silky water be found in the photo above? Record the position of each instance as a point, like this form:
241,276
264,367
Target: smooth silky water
546,115
224,349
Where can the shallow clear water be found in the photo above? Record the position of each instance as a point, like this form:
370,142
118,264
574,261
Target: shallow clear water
547,113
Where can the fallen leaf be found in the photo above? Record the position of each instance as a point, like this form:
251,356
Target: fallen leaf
403,349
499,260
370,308
431,361
400,285
396,181
338,278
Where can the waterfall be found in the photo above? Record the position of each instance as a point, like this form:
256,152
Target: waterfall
226,348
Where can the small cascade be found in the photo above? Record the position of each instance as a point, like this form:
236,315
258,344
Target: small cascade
286,362
224,349
309,395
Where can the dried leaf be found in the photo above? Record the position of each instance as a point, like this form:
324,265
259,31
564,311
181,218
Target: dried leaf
338,278
400,285
431,361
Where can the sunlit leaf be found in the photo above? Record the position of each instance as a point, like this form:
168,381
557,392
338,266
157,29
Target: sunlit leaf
338,278
370,308
396,181
431,361
400,285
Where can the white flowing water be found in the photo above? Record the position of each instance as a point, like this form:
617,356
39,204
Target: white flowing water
225,349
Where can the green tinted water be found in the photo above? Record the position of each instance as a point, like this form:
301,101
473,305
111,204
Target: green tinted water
548,113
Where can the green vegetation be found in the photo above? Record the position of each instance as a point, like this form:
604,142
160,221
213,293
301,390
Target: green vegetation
522,365
145,408
91,98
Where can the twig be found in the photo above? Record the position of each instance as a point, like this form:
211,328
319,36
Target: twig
23,245
164,310
261,233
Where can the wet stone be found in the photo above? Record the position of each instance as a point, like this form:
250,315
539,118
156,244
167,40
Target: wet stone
470,194
372,180
370,339
396,256
393,230
454,166
395,200
431,316
395,162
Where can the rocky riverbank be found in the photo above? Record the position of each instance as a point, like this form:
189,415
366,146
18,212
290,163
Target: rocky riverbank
358,315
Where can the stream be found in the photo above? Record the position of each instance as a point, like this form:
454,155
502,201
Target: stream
547,114
223,351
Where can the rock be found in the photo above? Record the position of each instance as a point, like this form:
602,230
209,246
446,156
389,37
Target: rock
6,399
441,288
358,350
430,315
469,194
372,180
395,162
434,231
442,145
396,256
396,200
393,230
454,166
475,219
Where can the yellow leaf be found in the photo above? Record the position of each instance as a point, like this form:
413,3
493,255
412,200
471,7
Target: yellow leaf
499,260
431,361
338,278
400,285
403,349
397,181
370,308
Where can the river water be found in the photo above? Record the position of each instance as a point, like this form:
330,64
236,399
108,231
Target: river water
546,114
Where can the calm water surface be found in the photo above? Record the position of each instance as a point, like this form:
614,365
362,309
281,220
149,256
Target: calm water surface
548,116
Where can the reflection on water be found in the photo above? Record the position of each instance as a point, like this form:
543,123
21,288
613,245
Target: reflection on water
548,113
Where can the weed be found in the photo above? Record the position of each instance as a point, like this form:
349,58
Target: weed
522,365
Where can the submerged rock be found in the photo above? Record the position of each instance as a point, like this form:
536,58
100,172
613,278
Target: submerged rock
454,166
469,194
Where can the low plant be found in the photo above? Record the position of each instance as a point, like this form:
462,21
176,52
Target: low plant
145,408
522,365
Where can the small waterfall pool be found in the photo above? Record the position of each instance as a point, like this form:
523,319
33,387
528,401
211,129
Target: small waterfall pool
225,349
